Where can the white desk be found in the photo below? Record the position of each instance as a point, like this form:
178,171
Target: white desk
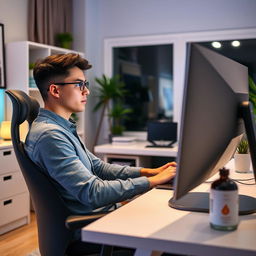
137,148
148,223
135,151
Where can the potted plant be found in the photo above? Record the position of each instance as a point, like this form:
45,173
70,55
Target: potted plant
242,157
65,40
110,92
117,114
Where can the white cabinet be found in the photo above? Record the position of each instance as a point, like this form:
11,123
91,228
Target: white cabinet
14,196
19,56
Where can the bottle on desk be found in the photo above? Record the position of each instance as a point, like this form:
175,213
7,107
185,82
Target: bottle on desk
224,203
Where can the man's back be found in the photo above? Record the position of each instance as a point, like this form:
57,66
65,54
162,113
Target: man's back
85,182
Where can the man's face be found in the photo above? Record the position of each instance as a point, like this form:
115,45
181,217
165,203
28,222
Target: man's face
72,99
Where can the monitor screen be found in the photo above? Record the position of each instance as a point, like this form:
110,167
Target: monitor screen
162,131
211,127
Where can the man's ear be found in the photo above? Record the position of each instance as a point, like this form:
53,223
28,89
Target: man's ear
54,91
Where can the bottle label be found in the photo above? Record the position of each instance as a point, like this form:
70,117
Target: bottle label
224,207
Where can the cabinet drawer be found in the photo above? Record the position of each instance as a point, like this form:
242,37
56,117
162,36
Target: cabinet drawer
14,208
11,184
8,162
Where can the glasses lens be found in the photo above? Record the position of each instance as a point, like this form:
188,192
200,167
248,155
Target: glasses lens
83,85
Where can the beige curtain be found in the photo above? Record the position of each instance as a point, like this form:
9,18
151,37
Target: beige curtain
46,18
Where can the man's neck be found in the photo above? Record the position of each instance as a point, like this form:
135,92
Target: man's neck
59,111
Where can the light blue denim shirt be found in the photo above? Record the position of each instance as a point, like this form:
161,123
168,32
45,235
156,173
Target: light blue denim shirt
86,183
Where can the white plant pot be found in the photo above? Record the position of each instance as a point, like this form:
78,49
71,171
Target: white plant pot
242,162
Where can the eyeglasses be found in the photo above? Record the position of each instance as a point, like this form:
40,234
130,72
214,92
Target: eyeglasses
82,85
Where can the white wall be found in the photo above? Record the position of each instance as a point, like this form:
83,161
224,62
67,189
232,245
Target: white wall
13,14
86,30
143,17
115,18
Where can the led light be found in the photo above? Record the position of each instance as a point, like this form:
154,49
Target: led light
6,130
235,43
216,44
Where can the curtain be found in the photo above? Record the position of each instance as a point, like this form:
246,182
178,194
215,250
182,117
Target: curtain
47,18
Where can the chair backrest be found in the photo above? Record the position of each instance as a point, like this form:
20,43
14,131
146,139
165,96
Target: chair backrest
50,209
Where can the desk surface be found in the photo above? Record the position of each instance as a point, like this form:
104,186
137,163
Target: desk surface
136,148
148,223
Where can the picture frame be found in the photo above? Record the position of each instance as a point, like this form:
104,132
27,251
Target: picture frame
2,58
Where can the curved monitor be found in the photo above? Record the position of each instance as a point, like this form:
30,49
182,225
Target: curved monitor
211,123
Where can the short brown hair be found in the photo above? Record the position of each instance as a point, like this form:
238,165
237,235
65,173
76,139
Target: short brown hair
54,67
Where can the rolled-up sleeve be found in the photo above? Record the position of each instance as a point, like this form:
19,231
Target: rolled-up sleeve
55,153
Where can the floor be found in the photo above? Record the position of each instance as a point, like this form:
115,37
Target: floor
20,241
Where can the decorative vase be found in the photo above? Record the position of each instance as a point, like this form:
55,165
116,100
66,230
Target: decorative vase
242,163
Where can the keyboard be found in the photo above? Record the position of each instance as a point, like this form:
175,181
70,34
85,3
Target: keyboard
168,186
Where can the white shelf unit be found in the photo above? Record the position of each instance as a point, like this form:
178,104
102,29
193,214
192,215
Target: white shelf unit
19,55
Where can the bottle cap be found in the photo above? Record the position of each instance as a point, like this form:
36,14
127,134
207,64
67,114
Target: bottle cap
224,171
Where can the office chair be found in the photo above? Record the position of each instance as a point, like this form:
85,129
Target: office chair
52,215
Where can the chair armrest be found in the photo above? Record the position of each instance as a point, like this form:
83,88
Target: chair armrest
78,221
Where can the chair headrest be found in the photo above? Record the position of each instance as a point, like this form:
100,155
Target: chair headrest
24,107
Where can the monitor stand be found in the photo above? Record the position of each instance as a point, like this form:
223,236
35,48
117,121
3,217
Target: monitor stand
199,202
155,145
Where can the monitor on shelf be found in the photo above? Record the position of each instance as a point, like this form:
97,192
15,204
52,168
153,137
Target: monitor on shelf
215,115
161,133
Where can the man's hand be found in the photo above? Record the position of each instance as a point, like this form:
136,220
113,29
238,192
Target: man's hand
149,172
163,177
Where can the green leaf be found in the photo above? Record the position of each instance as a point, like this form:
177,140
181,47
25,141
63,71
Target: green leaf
243,147
108,89
112,90
252,94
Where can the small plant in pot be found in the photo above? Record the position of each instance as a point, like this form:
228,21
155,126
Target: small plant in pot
110,91
242,157
64,40
117,114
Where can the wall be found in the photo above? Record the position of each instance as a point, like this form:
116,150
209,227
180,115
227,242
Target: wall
121,18
86,30
13,14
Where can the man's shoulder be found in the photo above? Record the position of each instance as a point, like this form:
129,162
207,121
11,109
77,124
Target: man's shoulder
45,124
43,130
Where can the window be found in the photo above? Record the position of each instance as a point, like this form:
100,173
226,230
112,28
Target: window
148,76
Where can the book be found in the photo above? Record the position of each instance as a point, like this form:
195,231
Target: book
123,140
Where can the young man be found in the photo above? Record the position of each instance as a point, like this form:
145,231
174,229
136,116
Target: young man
85,182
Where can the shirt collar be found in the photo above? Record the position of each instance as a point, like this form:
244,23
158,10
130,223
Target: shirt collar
67,124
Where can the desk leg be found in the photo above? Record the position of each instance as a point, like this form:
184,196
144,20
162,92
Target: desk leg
146,252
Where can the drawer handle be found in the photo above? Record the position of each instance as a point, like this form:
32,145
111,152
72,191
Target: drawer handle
7,201
6,153
9,177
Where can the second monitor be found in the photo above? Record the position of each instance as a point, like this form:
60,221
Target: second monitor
162,133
